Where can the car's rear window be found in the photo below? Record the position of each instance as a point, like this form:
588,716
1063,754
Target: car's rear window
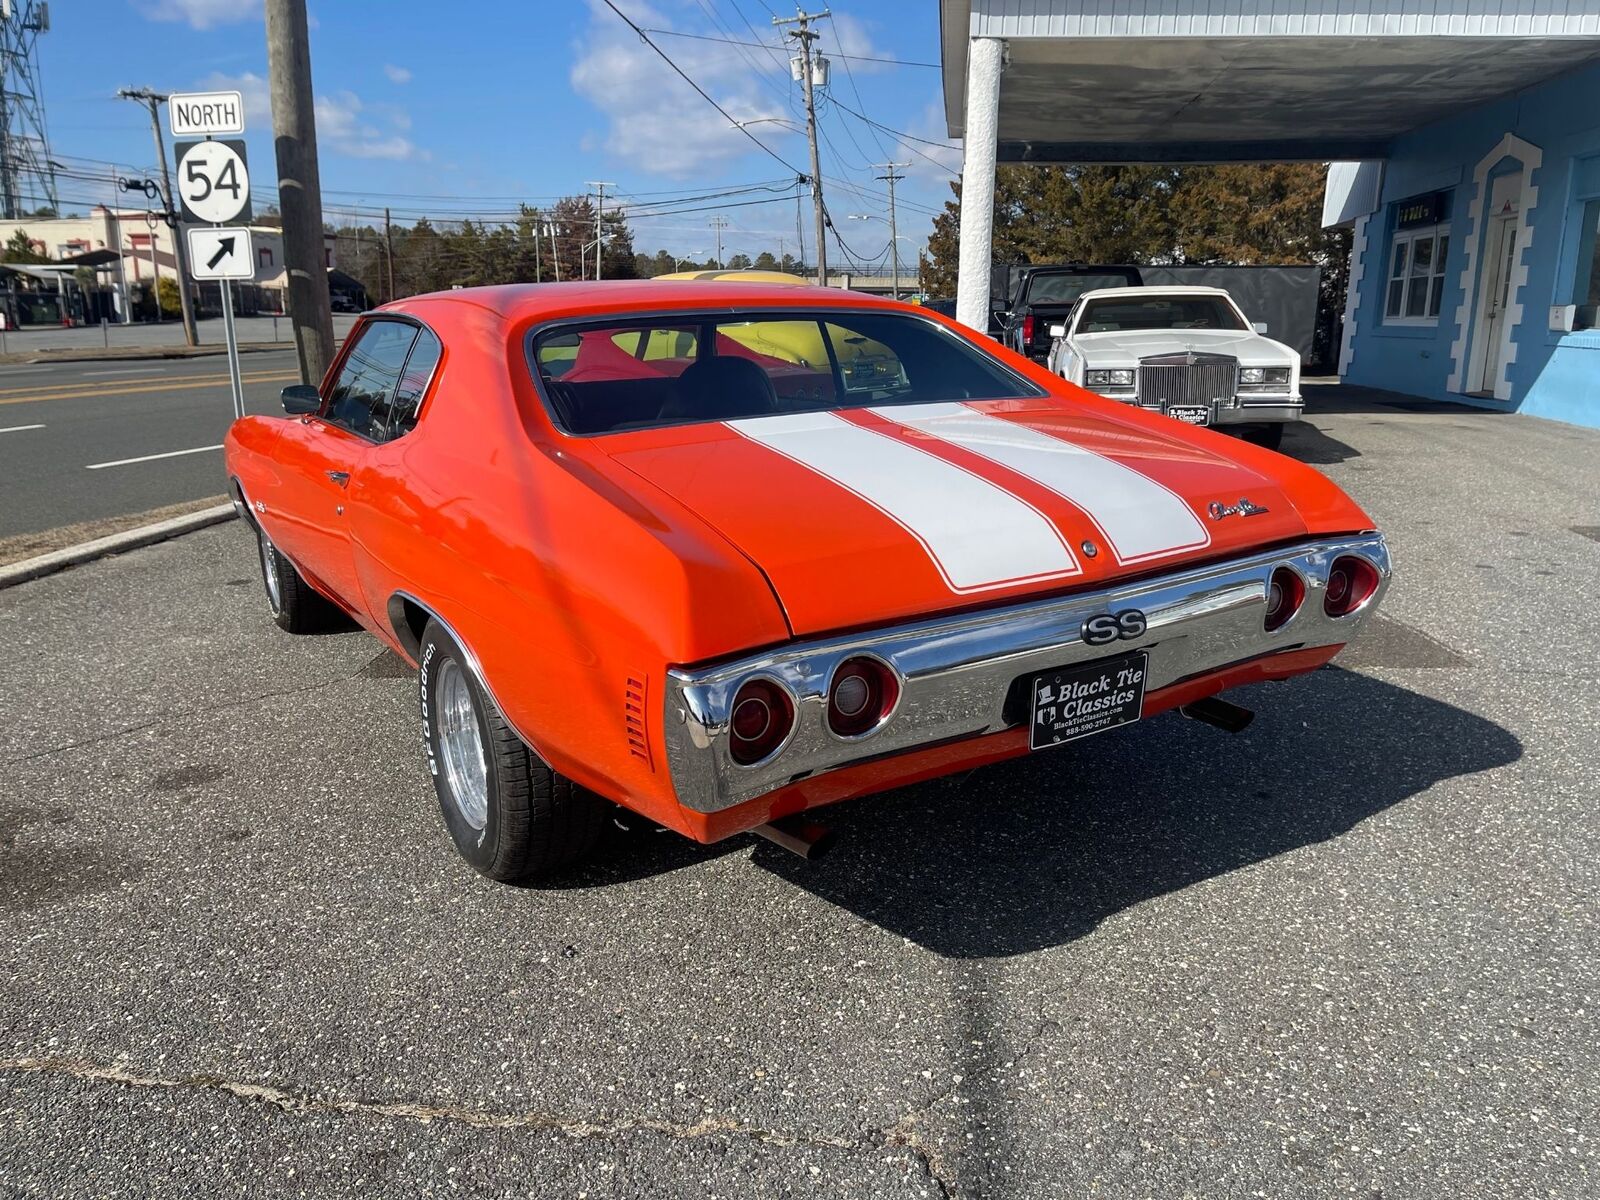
1064,289
604,377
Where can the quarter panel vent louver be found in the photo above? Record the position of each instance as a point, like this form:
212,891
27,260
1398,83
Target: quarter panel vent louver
635,722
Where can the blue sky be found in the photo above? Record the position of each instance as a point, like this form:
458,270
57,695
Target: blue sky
446,109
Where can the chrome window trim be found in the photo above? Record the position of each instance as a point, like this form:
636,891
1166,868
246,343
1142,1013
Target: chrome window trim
1028,390
956,671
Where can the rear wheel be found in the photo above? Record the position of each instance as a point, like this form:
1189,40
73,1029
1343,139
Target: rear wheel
1270,436
294,604
510,815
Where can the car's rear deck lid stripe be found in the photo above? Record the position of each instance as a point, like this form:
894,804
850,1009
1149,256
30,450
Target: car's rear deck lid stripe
1141,518
977,534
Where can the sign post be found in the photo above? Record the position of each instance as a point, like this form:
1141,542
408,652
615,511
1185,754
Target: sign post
214,186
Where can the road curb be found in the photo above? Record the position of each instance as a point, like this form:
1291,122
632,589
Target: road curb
116,543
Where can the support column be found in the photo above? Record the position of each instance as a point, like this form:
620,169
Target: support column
985,59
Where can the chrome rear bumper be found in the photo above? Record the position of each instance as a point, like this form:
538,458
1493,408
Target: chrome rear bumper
956,672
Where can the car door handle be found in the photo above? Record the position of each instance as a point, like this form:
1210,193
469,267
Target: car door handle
342,478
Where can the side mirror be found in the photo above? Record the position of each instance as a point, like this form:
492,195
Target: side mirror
1057,331
1259,326
300,400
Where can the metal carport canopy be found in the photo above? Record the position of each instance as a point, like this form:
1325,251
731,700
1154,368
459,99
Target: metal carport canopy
1121,81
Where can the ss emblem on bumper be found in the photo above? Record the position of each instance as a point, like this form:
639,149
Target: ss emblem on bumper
1104,628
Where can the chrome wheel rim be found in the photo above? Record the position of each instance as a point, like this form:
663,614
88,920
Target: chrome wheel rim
269,572
461,749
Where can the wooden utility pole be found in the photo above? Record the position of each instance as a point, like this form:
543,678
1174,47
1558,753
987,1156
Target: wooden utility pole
894,240
805,35
599,219
388,254
294,125
180,250
718,224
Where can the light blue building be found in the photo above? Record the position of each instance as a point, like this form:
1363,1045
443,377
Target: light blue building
1475,271
1465,136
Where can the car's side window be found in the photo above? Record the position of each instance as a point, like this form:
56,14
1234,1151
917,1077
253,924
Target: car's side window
369,377
400,414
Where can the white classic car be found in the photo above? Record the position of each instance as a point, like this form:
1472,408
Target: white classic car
1185,351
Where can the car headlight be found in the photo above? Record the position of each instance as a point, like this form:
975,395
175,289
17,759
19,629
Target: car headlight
1264,376
1123,378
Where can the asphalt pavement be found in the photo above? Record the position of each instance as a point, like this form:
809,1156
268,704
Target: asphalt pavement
84,441
1350,952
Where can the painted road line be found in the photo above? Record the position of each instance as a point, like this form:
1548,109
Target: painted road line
125,462
110,391
19,428
125,371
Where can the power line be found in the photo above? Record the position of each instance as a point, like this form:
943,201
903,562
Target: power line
666,58
705,37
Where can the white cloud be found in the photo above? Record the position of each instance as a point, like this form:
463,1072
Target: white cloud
256,92
850,36
345,127
345,123
396,74
655,121
202,14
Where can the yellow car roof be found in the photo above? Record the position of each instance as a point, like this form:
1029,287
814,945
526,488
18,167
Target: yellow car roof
741,276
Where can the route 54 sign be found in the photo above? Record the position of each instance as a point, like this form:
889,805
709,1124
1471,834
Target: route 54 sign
213,182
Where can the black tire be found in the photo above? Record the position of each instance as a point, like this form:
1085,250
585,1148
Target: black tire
529,821
294,604
1269,436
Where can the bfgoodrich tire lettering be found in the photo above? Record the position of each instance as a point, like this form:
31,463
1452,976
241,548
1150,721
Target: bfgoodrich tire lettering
528,821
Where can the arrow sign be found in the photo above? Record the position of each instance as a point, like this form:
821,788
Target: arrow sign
222,253
224,249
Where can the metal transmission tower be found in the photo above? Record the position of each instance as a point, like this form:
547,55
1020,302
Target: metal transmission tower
25,170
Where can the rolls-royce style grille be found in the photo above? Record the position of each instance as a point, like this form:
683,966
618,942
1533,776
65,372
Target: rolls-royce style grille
1168,379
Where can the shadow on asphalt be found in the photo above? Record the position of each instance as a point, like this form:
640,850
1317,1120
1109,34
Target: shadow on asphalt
1304,442
1037,852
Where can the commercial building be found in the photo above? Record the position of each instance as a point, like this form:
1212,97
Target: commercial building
1468,138
141,251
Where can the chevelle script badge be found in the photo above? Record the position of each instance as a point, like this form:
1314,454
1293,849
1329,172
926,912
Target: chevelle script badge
1244,508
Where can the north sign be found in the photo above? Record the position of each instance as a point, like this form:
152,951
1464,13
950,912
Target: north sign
205,114
213,182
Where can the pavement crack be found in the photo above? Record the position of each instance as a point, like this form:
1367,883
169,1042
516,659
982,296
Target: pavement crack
307,1104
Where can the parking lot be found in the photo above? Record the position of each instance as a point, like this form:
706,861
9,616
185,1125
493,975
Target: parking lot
1349,952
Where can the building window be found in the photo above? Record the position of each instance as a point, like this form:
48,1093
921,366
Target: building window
1586,279
1416,276
265,256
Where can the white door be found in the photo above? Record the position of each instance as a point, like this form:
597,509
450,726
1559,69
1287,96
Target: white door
1503,252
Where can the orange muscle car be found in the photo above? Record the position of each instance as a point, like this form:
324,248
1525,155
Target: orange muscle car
721,553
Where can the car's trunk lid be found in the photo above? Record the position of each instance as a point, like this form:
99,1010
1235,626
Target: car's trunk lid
867,516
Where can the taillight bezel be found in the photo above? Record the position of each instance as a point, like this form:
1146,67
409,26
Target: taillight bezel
769,688
1362,572
889,684
1294,585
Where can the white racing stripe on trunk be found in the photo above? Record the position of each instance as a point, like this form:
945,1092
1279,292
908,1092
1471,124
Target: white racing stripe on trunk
978,535
1140,518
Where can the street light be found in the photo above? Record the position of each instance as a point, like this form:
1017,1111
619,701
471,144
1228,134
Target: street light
693,255
784,121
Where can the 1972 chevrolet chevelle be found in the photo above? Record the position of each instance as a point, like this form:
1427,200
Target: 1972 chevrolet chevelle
722,553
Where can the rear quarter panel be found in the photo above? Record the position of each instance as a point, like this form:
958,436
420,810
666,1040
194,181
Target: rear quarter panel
570,591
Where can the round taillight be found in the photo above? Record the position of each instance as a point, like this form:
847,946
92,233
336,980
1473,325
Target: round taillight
762,717
863,693
1351,583
1285,593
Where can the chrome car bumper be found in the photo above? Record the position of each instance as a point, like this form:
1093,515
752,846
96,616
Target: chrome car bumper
1247,408
956,672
